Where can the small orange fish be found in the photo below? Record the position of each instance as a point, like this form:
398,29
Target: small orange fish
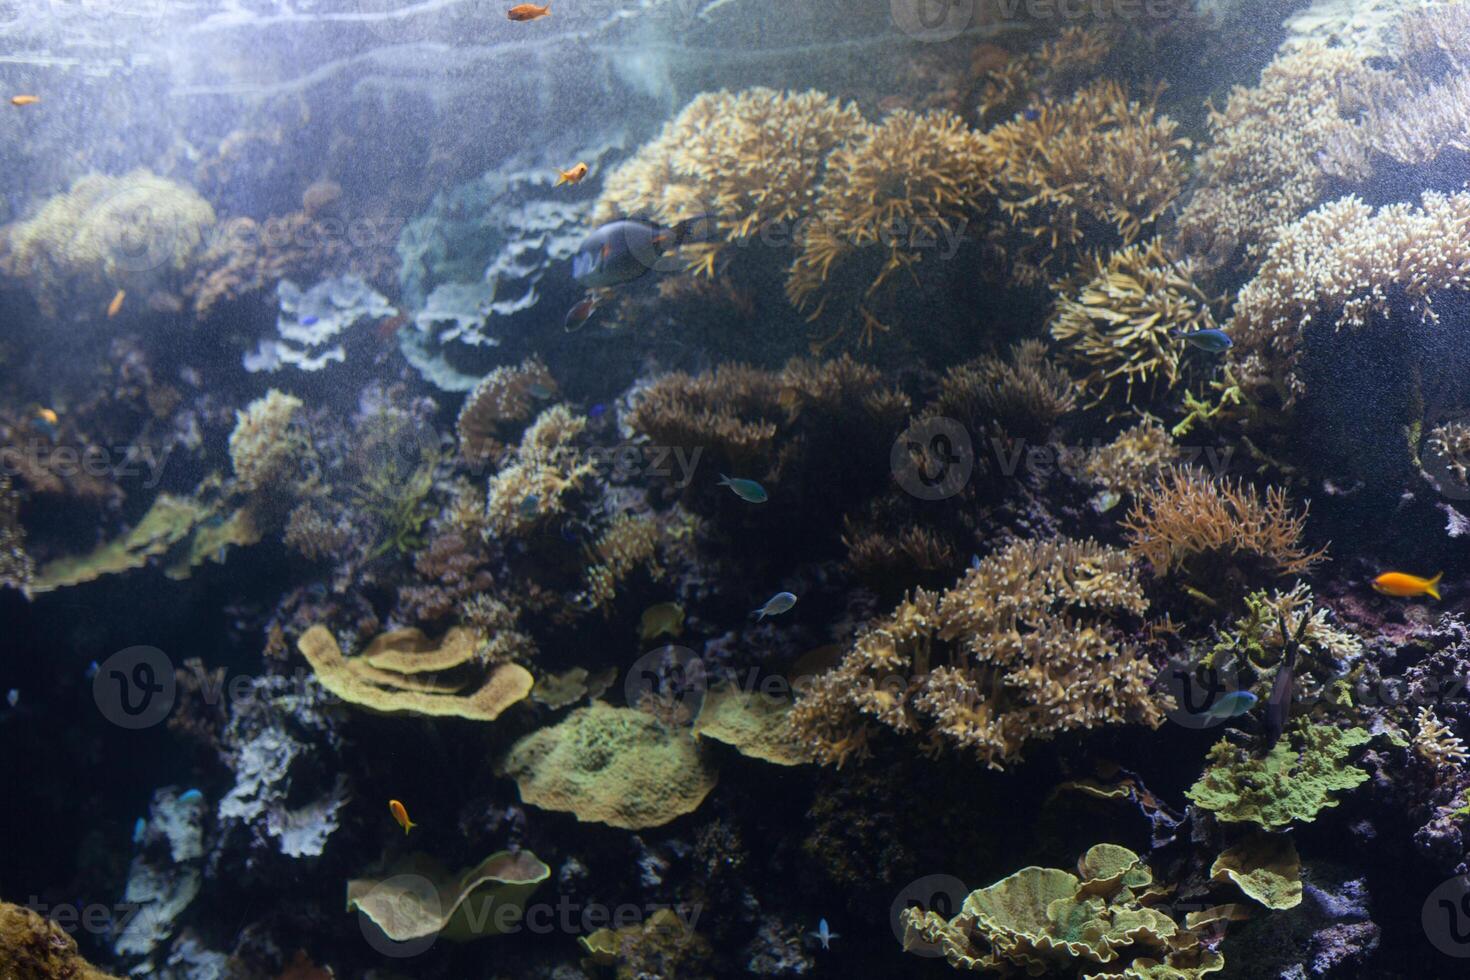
528,11
1406,586
48,416
401,815
573,176
117,302
20,100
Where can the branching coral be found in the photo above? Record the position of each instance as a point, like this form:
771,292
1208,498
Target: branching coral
897,191
1120,330
1049,921
1293,782
1265,167
1023,647
1056,65
267,447
1436,744
545,466
136,232
1024,395
1448,451
751,158
628,543
1204,528
507,394
1132,462
1097,162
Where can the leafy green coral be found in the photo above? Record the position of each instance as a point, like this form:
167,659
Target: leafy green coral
1050,921
1293,782
1264,866
419,897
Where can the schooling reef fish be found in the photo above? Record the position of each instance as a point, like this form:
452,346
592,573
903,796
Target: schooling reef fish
747,490
401,815
1232,705
627,249
117,302
1406,586
528,11
1211,340
22,100
572,176
775,605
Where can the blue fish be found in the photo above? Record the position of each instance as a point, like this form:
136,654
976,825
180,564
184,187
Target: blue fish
140,830
1232,705
747,490
91,670
974,561
1212,340
1031,115
597,411
308,321
191,796
539,391
530,506
628,249
775,605
824,934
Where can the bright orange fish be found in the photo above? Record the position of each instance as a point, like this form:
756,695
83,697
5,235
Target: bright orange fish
117,302
528,11
401,815
19,100
1406,586
573,176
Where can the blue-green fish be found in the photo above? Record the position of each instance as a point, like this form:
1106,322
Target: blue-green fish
627,249
529,507
775,605
747,490
1212,340
1232,705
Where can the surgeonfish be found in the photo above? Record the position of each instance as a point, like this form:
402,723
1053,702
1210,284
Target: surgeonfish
117,302
23,100
401,815
824,934
629,248
747,490
1406,586
528,11
572,176
1212,340
775,605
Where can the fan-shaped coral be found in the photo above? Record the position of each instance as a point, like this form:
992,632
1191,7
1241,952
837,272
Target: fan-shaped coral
418,897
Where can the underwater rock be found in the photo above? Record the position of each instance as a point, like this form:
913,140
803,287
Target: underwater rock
310,324
165,874
34,948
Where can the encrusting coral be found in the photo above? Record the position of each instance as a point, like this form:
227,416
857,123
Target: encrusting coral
609,765
136,232
1097,922
1025,646
1293,782
1120,331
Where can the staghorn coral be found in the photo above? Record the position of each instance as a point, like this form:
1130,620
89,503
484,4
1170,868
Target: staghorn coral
1058,63
629,542
1023,647
267,446
1447,451
888,197
1436,744
137,232
1255,637
544,467
1264,167
1049,921
1119,331
1293,782
1132,462
506,394
752,159
1025,394
610,765
1194,525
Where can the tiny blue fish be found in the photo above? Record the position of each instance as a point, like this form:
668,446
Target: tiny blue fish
91,670
1212,340
775,605
824,934
529,506
12,697
597,411
1232,705
140,830
191,796
747,490
974,561
308,321
1031,115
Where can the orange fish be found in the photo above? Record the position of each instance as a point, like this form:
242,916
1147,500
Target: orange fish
528,11
20,100
1406,586
117,302
573,176
401,815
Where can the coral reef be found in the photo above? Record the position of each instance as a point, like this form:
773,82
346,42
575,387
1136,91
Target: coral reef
536,475
505,396
266,448
1293,782
34,948
1024,395
16,566
418,897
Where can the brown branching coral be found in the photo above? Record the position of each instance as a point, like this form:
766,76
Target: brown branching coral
544,467
1057,64
1265,166
1024,647
1118,332
267,447
628,543
1133,461
1189,523
1025,394
1097,163
507,394
1448,446
751,158
897,191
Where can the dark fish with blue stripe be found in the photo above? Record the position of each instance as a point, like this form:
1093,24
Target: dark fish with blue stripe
628,249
